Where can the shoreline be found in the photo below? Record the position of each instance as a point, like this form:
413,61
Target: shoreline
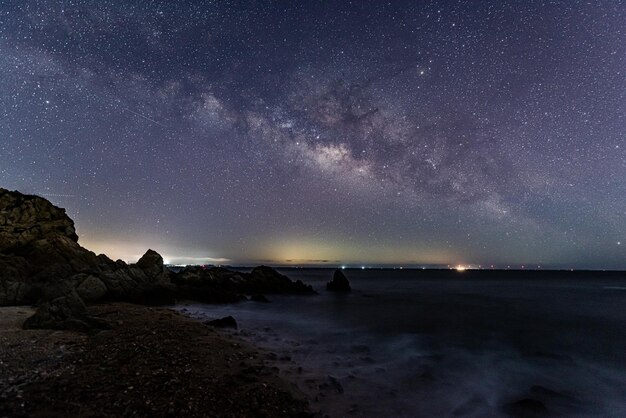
152,362
322,388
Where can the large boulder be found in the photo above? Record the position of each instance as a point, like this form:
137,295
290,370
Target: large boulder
66,312
259,297
151,263
225,322
91,289
339,283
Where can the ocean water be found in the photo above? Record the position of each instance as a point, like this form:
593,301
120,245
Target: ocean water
411,344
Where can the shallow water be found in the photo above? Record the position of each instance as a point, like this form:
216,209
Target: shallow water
403,344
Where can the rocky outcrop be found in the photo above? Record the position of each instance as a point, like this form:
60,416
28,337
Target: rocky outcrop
208,285
339,283
38,246
147,282
259,297
226,322
40,260
264,279
220,285
66,312
25,219
42,263
151,263
91,288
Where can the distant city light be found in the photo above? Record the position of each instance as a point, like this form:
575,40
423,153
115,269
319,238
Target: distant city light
460,268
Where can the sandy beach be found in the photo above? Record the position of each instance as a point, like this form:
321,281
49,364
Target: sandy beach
152,362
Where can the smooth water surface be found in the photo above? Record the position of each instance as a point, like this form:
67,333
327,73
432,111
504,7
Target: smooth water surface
404,344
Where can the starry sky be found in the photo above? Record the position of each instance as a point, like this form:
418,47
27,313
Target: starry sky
400,133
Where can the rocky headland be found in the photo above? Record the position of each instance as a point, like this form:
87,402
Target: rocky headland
128,358
42,263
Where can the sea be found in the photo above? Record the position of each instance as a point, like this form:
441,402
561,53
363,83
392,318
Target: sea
415,343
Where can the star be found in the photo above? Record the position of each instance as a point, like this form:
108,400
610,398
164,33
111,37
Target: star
242,130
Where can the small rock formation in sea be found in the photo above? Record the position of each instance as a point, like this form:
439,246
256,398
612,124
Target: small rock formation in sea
259,297
339,283
42,263
226,322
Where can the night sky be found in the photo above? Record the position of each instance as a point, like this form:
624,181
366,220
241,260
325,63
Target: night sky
401,133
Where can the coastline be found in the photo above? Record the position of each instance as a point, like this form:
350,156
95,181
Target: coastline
152,362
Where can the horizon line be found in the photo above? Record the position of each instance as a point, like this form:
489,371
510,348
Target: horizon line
458,268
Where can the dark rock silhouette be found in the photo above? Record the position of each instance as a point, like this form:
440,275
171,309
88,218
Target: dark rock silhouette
42,263
151,263
220,285
339,283
259,298
41,260
265,279
226,322
91,288
26,218
66,312
38,244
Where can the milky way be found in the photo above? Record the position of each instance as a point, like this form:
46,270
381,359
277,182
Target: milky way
360,133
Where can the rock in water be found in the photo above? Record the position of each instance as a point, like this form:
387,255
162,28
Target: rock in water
259,297
226,322
339,283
